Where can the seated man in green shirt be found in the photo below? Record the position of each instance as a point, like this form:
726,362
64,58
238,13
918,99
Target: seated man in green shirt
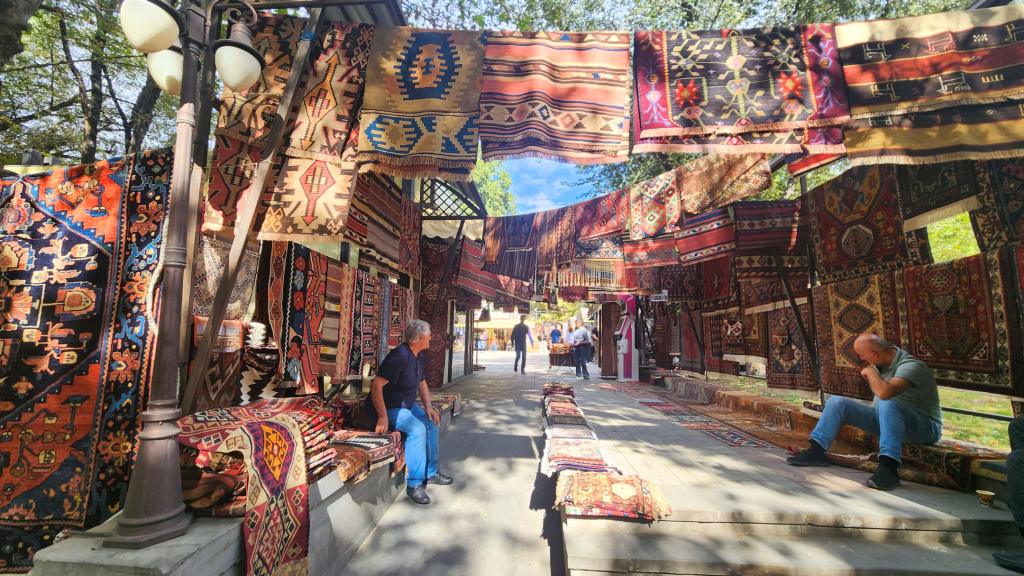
906,409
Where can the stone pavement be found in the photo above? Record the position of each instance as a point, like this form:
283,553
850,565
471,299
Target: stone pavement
497,518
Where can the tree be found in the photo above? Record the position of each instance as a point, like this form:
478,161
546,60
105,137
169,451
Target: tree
495,186
15,14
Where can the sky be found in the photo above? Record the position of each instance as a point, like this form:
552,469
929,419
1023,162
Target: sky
540,185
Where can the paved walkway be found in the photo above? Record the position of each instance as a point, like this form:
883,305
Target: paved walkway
497,518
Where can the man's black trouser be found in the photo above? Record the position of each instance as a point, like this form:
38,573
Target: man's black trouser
515,365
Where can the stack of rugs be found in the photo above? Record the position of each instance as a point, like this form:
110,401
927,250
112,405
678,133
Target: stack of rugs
360,449
588,484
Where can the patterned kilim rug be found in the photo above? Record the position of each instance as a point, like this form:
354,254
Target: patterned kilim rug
707,82
780,142
382,449
920,63
298,288
715,180
734,437
602,217
421,108
650,252
760,285
706,236
789,363
76,346
1000,218
856,225
933,192
557,95
779,224
721,290
210,265
714,335
603,494
336,340
220,385
269,438
654,207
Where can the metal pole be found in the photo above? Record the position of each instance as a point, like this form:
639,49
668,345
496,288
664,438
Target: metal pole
812,352
697,337
153,509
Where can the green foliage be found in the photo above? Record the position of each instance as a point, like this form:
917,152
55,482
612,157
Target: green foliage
495,186
952,238
564,312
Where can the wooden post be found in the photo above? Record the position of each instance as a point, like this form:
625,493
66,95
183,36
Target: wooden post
447,274
812,352
247,219
697,336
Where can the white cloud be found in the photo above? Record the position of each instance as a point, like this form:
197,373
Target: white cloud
538,185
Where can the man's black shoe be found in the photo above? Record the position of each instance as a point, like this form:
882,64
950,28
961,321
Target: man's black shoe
418,494
1010,561
885,478
440,479
809,458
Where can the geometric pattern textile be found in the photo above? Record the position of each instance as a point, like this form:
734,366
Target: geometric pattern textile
706,236
298,280
857,227
684,283
421,108
650,252
337,323
603,216
654,207
921,63
268,434
761,288
933,192
714,337
220,387
210,263
556,236
232,170
80,249
999,220
779,224
691,358
602,494
721,290
789,363
962,318
607,248
736,81
470,275
557,95
843,311
716,180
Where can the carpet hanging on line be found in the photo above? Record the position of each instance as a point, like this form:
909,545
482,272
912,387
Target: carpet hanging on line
933,192
557,95
603,216
693,329
82,245
607,248
714,338
762,230
857,227
795,141
745,337
715,180
789,365
684,283
654,208
385,221
721,290
211,262
470,274
298,287
515,241
921,63
706,236
421,108
999,220
736,81
650,252
556,237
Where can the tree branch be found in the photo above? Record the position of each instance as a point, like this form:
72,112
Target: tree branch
125,124
61,63
35,115
66,44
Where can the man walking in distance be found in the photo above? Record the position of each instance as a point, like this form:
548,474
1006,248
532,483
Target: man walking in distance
519,334
392,403
581,350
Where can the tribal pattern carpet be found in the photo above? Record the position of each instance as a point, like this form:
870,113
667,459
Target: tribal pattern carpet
921,63
80,248
857,227
789,363
715,180
745,338
654,207
843,311
779,224
603,216
470,275
684,283
933,192
721,290
421,108
794,141
691,358
714,336
210,263
607,248
298,288
557,95
220,385
706,236
761,287
999,220
737,81
232,169
735,438
604,494
336,340
386,222
650,252
962,319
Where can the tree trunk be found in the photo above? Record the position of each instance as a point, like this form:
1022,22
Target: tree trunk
142,116
94,110
15,15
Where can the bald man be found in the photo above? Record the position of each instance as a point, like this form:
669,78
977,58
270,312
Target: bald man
906,409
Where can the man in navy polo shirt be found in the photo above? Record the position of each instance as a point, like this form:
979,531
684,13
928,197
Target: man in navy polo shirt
392,403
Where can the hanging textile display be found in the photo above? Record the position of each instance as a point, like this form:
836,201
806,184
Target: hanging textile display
514,240
843,311
572,294
269,437
920,63
802,164
337,322
557,95
650,252
684,283
789,364
977,132
386,221
706,236
999,220
210,263
421,109
367,324
607,248
604,274
386,320
654,207
779,142
933,192
691,356
762,229
259,377
643,281
603,216
232,169
556,237
246,116
857,227
761,288
778,224
298,287
714,339
76,347
737,81
721,292
745,338
716,180
220,385
471,276
962,319
435,258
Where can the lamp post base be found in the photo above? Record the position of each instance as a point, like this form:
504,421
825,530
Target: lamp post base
148,535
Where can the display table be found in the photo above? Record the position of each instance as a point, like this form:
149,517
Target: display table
561,355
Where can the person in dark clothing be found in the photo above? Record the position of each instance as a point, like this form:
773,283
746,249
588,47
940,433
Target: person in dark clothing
520,332
581,350
392,403
1015,486
556,335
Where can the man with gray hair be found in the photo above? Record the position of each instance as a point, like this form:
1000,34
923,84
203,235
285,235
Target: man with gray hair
905,409
392,403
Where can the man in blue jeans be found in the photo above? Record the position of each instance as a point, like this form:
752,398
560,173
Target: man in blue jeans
905,409
581,350
1015,486
392,403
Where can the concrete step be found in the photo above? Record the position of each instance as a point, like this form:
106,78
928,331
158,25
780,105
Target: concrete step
604,553
902,516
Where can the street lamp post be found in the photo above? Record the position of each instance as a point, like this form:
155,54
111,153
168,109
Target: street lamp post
153,510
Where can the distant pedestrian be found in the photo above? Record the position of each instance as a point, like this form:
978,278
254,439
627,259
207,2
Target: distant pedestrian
520,332
581,350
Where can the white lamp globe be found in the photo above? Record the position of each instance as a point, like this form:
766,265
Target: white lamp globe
150,25
166,69
238,68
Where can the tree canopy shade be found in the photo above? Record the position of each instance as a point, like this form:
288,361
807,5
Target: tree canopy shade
495,186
